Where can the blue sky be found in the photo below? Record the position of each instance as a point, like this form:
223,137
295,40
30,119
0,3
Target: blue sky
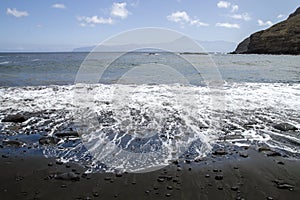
61,25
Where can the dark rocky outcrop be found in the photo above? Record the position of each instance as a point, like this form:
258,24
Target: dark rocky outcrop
16,118
285,127
67,134
48,140
281,38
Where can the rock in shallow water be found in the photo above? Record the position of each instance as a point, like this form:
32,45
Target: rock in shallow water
17,118
48,140
220,152
285,127
16,143
67,134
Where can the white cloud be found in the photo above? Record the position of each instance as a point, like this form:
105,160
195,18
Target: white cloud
223,4
179,16
183,18
59,6
244,16
39,26
262,23
227,25
119,10
226,4
16,13
91,21
280,16
234,8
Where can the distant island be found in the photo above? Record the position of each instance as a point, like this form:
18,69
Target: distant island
281,38
208,46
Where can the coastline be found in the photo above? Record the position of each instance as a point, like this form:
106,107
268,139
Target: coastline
247,174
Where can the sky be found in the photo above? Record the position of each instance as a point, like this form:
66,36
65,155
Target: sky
61,25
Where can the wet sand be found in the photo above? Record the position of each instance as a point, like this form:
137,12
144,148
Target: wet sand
249,174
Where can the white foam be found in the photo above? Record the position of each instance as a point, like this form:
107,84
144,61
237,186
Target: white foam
4,63
200,114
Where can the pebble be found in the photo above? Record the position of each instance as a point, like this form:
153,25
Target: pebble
220,152
188,161
59,162
263,148
67,134
175,162
84,175
285,186
280,163
175,180
207,175
234,188
198,159
273,154
107,178
243,154
19,178
48,140
160,179
168,195
96,194
219,177
4,156
169,187
68,176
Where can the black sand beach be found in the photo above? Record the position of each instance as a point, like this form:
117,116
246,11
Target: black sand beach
247,174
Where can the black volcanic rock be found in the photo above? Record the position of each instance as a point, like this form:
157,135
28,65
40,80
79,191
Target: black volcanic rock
285,127
17,118
281,38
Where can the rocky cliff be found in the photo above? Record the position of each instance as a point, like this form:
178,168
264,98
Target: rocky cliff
281,38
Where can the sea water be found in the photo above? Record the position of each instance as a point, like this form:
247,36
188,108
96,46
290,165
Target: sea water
157,120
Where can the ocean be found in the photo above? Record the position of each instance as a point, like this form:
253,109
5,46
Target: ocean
148,108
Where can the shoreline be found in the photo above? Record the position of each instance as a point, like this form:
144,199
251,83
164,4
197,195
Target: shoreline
247,174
